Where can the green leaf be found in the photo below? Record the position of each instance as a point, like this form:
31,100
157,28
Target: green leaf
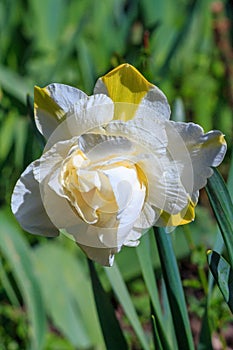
221,204
67,292
15,249
7,136
205,342
159,335
223,275
156,338
230,178
205,333
14,84
7,285
50,17
146,263
113,336
167,316
174,290
125,300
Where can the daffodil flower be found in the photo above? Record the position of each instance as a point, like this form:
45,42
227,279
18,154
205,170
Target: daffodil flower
113,166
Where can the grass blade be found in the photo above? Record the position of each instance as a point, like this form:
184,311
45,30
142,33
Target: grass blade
124,298
160,338
156,338
221,204
205,334
174,290
58,263
113,336
205,342
15,249
223,275
146,263
14,84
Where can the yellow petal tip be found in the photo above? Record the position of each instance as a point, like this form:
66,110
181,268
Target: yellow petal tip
126,84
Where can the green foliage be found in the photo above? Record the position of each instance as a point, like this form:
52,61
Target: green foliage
174,290
223,274
222,206
17,253
45,290
112,332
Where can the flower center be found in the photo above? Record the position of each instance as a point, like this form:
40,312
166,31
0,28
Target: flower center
106,193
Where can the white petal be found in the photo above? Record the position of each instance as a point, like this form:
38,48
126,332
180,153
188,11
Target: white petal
64,217
153,141
147,218
132,239
64,95
47,171
82,117
156,100
59,210
205,150
164,188
101,147
47,119
100,88
46,123
97,237
103,256
129,193
52,159
27,206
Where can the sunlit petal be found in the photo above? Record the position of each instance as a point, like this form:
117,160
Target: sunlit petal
206,150
51,104
126,84
28,208
83,116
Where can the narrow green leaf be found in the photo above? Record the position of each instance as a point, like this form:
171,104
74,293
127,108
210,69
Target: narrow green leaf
205,333
14,84
222,206
50,23
146,263
15,249
205,342
174,290
157,343
230,178
167,317
124,298
74,315
113,336
160,338
7,285
7,136
180,35
223,275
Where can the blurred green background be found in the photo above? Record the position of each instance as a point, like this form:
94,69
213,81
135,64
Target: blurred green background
184,47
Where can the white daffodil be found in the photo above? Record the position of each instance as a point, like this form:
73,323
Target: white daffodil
113,166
